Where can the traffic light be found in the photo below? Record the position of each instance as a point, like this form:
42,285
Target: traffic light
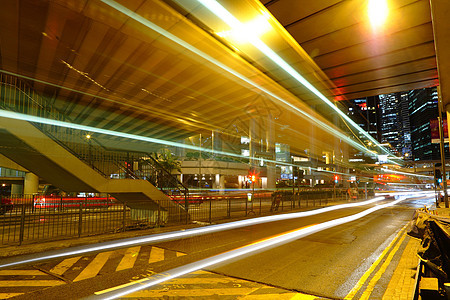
438,176
336,179
252,175
297,172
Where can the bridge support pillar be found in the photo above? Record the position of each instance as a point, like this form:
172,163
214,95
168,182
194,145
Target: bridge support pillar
16,189
31,184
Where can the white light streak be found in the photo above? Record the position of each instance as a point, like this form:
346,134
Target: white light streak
191,48
404,173
185,233
236,25
211,261
35,119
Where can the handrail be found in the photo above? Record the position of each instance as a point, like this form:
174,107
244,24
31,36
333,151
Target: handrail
19,97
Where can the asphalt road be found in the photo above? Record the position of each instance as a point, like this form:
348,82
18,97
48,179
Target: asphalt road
327,263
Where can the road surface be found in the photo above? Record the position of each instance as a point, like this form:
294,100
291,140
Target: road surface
325,264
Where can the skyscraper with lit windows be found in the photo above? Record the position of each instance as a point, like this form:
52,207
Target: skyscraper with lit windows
389,120
364,112
423,107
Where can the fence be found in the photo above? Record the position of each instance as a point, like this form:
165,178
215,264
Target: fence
38,218
34,219
257,204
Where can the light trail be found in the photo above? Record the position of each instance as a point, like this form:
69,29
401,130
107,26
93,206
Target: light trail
404,173
114,293
222,13
122,103
407,193
163,237
138,18
35,119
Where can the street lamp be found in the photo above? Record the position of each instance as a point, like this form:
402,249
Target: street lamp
378,11
88,137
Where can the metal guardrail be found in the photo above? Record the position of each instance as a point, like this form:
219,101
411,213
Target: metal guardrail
38,218
32,220
17,96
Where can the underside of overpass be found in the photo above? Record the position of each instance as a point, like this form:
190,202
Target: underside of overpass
170,69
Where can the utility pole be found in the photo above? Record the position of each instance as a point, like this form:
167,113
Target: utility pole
200,164
441,144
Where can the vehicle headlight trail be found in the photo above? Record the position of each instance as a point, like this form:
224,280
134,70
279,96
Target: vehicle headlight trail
116,292
35,119
138,18
164,237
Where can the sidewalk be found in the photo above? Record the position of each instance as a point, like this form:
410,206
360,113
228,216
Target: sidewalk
402,283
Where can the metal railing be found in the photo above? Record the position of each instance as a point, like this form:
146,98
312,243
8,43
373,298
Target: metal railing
259,203
39,218
36,218
17,96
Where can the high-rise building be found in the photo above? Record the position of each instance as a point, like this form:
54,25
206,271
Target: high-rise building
423,107
400,119
405,146
364,112
389,120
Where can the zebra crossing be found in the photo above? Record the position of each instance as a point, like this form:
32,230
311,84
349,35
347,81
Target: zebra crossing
19,281
16,282
197,285
84,267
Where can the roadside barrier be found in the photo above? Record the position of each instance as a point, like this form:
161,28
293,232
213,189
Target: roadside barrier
33,218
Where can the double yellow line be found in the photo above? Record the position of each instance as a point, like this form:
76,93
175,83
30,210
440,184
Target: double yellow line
371,285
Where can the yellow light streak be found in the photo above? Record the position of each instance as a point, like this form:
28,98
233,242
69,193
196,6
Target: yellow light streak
183,233
222,13
214,61
235,254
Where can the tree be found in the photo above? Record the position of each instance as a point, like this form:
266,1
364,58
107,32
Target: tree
168,160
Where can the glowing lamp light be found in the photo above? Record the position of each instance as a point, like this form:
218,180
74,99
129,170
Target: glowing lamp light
253,178
259,26
378,11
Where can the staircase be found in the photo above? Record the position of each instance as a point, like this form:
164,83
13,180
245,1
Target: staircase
74,163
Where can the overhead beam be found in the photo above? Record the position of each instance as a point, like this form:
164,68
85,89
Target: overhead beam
440,10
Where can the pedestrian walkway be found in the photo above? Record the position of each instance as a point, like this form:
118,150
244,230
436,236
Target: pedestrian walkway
21,281
84,267
16,282
402,283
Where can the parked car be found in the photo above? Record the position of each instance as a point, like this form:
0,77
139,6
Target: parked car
57,202
5,205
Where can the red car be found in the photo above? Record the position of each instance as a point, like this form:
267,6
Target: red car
5,205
